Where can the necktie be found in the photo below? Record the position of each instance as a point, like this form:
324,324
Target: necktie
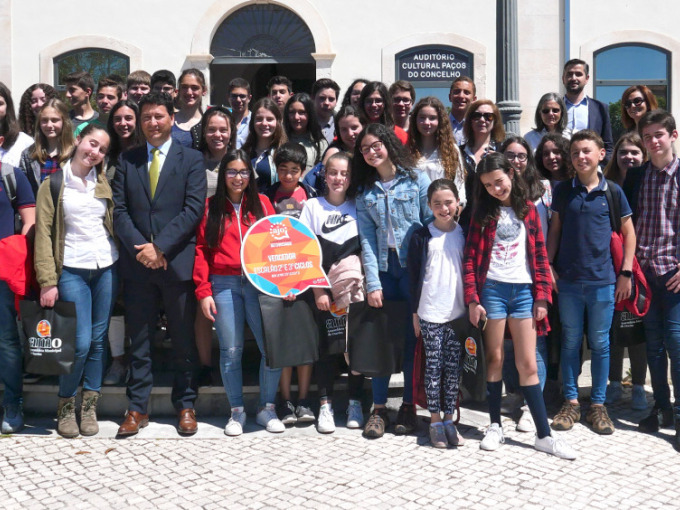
154,171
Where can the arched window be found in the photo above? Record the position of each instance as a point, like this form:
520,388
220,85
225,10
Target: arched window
260,41
99,62
619,66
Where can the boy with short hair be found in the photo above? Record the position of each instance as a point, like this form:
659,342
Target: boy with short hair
403,95
79,88
325,95
288,196
583,272
138,85
239,97
657,228
109,92
280,90
462,92
164,81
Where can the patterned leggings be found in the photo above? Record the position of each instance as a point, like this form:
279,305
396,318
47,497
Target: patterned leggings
442,366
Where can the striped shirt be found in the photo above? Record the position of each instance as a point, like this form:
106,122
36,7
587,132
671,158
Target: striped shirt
658,224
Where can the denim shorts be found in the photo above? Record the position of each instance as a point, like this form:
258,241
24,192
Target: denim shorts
501,300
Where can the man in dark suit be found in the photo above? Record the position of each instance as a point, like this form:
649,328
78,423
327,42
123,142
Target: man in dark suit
159,194
585,112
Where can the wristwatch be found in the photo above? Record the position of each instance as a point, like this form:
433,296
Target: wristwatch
627,274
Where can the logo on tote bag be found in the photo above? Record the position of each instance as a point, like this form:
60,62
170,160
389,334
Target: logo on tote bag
44,328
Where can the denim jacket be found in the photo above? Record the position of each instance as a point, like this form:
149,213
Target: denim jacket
409,211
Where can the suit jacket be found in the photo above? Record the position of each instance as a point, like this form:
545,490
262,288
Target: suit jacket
598,121
169,220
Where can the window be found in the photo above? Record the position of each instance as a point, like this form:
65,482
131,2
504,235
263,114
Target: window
98,62
620,66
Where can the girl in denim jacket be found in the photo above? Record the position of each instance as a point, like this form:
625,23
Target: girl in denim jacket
391,205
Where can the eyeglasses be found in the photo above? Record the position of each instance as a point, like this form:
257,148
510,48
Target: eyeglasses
375,147
242,97
521,156
546,111
634,102
401,100
244,174
489,117
373,100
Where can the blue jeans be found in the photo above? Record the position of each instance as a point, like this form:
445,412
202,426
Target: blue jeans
10,349
93,291
395,287
510,374
662,328
598,301
236,301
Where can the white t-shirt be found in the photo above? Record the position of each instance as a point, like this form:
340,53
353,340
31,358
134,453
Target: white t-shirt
391,242
509,262
335,226
441,296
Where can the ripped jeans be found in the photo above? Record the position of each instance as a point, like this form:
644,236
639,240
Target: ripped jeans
236,301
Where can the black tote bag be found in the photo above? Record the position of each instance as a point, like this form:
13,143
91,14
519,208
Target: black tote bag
50,337
376,338
627,329
332,332
291,336
473,362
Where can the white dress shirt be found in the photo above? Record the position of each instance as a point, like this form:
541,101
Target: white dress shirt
87,243
161,155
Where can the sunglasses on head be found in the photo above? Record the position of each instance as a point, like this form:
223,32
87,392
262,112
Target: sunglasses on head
634,102
546,111
479,115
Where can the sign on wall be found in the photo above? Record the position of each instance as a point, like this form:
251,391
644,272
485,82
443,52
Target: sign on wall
433,65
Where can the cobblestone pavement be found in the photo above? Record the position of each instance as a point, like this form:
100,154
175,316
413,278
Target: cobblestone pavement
301,468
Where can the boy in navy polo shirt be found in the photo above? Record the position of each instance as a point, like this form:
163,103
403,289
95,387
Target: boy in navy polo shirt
10,346
583,273
657,229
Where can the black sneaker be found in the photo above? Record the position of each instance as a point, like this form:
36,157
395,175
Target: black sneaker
31,378
657,418
407,419
287,413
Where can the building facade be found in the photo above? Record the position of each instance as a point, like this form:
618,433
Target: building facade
428,43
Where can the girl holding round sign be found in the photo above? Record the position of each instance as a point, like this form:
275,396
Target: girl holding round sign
225,295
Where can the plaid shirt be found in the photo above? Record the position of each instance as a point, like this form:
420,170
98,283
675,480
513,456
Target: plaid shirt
478,256
658,223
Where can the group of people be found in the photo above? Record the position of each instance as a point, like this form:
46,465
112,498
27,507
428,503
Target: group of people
407,196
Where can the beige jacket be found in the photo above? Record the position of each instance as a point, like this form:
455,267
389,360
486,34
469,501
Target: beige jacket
49,234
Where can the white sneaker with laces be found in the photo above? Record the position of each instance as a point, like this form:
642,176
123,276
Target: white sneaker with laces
526,421
326,422
267,418
236,422
555,445
493,438
355,415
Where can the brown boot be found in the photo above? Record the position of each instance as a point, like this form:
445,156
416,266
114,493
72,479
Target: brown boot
88,413
67,426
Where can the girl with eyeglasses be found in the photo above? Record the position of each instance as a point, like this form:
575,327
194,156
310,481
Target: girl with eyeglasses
225,295
433,146
550,117
507,280
539,191
375,106
391,204
635,102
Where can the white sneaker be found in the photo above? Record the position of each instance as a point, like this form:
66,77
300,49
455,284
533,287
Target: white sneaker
493,438
236,422
526,421
355,416
555,445
268,419
326,422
